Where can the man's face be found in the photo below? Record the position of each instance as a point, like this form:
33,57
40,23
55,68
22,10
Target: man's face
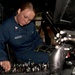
24,17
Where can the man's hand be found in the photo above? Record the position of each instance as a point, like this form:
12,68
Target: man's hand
6,65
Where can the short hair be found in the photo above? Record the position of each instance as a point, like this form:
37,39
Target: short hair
28,5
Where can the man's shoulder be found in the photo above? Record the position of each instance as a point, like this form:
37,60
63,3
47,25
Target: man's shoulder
31,24
7,21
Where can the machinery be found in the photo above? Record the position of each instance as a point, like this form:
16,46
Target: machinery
64,52
62,55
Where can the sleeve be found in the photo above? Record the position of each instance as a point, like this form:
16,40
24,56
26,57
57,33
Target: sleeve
3,39
37,39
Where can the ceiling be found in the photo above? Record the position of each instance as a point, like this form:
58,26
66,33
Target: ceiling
45,4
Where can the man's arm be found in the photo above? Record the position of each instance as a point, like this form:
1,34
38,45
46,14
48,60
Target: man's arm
3,55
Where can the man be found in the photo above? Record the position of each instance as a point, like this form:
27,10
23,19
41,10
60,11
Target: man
19,31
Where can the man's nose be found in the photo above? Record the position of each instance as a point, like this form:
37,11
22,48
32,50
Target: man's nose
26,20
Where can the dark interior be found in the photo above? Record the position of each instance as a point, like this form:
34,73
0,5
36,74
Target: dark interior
62,10
65,13
61,15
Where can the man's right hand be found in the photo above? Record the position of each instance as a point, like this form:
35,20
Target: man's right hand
6,65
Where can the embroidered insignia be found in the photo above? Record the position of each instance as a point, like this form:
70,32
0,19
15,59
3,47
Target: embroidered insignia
16,27
17,37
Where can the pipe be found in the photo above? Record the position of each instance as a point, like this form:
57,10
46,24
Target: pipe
57,59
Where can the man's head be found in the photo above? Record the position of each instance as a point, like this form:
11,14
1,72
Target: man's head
25,14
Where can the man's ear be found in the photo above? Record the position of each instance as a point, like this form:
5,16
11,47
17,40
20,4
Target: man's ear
19,10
